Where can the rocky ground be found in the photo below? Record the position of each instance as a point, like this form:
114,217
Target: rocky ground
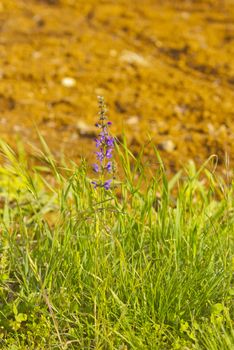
165,68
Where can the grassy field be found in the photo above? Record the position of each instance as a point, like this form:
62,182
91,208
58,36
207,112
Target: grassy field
145,265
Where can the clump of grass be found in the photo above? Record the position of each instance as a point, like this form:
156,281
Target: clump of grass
141,269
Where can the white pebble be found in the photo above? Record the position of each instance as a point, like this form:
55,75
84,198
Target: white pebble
68,82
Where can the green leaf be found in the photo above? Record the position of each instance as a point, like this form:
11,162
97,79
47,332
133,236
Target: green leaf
21,317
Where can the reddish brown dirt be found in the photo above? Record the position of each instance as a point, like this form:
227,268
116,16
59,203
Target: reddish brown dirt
165,68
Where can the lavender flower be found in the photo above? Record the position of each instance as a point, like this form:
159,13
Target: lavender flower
96,168
110,141
109,167
105,144
107,184
98,143
109,153
100,155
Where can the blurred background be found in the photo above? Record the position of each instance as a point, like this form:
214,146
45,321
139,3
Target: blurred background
165,68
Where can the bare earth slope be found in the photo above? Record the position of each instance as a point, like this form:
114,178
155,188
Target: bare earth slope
166,68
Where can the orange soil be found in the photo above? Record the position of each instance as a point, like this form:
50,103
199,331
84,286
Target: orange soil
165,68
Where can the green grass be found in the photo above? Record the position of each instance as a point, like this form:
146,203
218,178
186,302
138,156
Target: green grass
150,267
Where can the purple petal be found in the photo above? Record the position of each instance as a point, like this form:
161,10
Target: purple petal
107,184
95,168
110,141
109,167
109,153
94,183
104,132
100,155
98,143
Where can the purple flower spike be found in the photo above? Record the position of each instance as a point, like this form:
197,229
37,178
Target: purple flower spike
107,184
105,145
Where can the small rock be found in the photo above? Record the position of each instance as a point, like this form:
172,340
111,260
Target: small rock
17,128
3,121
167,146
133,58
36,55
185,15
85,130
68,82
133,120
